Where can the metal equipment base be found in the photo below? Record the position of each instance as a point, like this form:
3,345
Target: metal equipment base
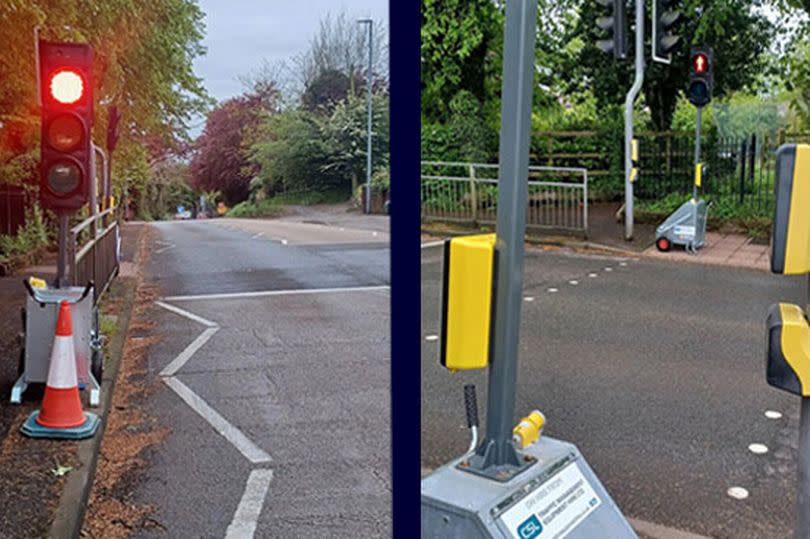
32,429
685,226
558,495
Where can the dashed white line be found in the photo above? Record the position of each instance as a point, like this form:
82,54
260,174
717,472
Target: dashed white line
738,493
553,290
528,298
608,269
251,451
758,449
164,249
573,282
183,312
250,506
178,362
623,264
773,414
283,242
431,337
593,275
257,235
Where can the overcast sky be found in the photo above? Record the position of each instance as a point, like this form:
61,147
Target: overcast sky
240,34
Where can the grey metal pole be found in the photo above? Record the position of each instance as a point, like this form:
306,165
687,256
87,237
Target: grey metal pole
61,260
516,108
628,121
697,149
370,112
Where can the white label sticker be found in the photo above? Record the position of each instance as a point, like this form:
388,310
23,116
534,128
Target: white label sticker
553,509
685,231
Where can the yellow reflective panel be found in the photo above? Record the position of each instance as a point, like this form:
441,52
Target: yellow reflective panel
796,343
467,305
797,251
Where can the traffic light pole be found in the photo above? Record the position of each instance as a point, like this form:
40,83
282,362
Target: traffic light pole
496,456
697,150
61,259
628,122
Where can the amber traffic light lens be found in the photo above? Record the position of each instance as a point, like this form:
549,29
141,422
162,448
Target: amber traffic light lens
65,132
67,86
64,178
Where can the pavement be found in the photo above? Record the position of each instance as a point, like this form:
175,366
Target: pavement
272,363
721,249
656,371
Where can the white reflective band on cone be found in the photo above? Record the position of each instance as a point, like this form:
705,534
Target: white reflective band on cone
62,371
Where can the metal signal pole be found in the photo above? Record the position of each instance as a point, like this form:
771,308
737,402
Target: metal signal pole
370,112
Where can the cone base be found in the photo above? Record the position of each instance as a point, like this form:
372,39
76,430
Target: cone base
32,429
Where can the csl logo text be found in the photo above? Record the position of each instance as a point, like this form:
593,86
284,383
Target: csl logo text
530,528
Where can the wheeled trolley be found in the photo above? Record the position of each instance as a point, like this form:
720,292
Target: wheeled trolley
686,226
39,326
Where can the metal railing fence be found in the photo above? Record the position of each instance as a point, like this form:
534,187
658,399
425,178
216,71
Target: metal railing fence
93,251
468,193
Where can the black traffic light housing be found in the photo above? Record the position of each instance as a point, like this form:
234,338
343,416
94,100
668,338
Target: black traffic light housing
665,21
66,90
616,25
701,76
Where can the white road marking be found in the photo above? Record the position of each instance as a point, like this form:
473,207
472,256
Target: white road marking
573,282
247,514
528,298
657,531
251,451
183,312
623,264
164,249
608,269
431,337
373,233
266,293
283,242
431,244
257,235
773,414
738,493
178,362
593,275
164,242
758,449
553,290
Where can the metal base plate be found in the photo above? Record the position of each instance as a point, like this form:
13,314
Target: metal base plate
558,496
32,429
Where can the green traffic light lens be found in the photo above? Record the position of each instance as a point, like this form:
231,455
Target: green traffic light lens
64,178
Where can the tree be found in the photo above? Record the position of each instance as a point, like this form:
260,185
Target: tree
219,161
738,33
459,52
328,89
144,65
341,46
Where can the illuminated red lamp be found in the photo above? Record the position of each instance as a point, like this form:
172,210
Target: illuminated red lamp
700,63
66,86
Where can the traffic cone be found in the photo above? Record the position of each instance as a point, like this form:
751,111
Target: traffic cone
61,415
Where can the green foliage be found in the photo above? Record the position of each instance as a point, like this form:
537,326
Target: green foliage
263,208
466,136
458,37
300,150
381,180
30,238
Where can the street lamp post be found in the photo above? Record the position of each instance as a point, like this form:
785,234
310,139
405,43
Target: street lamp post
368,93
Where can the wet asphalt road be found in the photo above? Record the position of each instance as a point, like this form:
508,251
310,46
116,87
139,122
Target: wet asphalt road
304,377
657,372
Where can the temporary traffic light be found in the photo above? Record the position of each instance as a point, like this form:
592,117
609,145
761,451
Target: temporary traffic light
66,89
665,19
616,26
701,76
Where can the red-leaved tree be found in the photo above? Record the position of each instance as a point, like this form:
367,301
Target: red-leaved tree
219,162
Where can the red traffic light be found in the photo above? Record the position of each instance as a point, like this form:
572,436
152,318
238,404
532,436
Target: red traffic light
700,63
66,86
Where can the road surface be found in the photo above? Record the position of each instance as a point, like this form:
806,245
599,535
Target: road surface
657,372
274,353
